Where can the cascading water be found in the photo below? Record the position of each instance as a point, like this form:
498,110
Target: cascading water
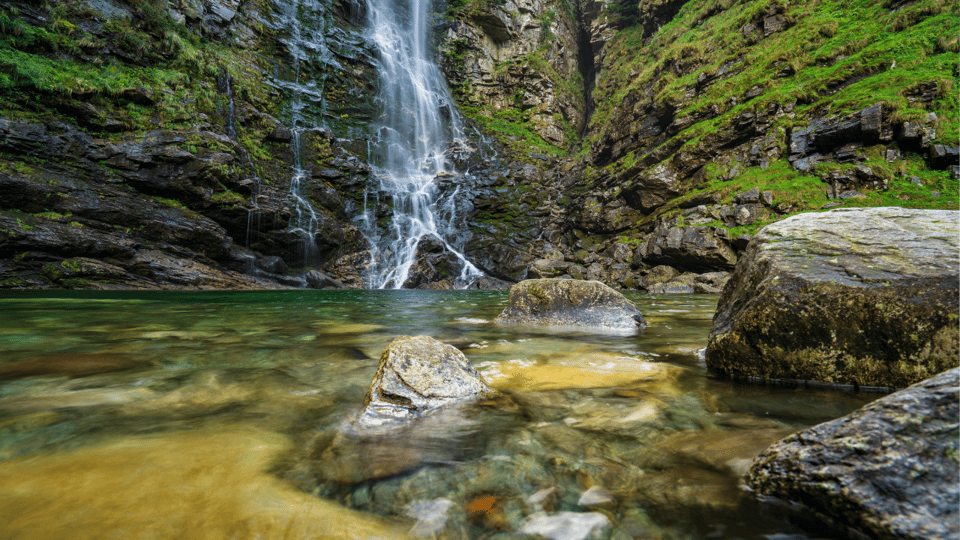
305,24
413,137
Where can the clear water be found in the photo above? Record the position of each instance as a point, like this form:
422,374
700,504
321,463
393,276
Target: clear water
205,415
413,136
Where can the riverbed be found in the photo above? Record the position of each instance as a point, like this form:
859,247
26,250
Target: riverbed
206,415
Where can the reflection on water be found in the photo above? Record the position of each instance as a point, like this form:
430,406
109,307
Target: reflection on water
206,415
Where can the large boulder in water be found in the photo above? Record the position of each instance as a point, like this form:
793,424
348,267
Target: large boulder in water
568,302
864,297
889,470
415,410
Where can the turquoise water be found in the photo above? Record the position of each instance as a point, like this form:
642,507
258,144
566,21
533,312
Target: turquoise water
241,391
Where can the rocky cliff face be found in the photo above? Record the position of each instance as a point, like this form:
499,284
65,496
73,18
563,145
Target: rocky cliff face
515,67
148,144
640,144
713,118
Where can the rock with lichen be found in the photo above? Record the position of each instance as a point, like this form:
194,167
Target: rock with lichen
570,303
416,408
865,297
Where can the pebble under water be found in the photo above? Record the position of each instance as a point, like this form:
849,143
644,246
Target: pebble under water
206,415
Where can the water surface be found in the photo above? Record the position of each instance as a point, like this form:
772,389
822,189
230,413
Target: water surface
206,415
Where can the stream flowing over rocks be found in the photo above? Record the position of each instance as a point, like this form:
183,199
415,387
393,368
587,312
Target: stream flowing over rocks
856,297
889,470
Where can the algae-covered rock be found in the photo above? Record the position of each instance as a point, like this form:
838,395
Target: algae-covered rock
565,302
865,297
888,470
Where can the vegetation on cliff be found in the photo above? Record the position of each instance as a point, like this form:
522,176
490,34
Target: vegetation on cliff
717,62
180,109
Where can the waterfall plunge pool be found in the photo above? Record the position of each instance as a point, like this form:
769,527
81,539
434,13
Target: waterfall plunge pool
204,415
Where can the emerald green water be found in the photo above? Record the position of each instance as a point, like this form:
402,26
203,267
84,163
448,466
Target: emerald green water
201,415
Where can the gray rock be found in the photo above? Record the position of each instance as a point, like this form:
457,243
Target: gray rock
583,304
888,470
418,374
852,296
272,264
694,248
547,268
566,525
318,280
750,196
658,275
412,411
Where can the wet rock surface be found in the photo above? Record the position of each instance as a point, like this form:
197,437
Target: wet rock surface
418,374
560,302
888,470
863,297
410,414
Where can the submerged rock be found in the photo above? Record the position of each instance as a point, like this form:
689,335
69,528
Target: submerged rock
859,296
888,470
565,302
566,525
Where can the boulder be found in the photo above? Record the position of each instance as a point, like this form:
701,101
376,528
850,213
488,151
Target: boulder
865,297
659,275
319,280
888,470
411,414
566,302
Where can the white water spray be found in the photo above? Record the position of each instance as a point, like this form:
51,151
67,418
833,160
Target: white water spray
414,133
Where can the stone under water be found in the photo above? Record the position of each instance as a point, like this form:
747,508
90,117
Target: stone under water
583,370
209,483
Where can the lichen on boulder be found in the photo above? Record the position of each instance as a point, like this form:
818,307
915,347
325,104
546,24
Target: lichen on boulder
888,470
418,374
863,297
416,409
570,303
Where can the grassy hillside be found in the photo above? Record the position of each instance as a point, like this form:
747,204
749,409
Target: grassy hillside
717,61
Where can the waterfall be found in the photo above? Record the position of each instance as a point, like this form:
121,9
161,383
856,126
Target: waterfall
305,23
413,135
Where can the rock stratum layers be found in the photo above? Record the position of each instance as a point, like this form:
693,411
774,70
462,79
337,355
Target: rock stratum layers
865,297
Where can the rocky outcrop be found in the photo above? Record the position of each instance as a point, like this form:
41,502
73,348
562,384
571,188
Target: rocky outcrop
411,405
572,303
888,470
128,178
517,62
864,297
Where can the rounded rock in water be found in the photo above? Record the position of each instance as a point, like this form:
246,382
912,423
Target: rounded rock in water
573,303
